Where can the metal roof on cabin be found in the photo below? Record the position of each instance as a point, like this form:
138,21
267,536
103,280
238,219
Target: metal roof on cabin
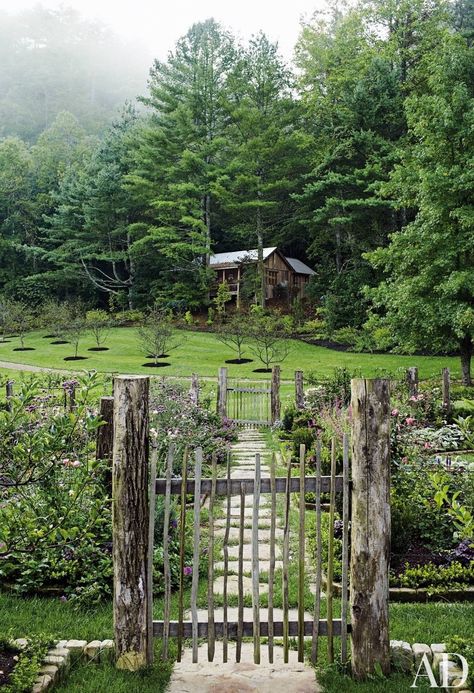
299,267
238,256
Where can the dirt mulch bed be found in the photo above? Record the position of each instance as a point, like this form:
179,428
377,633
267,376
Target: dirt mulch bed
8,661
416,555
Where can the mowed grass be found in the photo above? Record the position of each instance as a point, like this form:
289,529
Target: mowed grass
202,353
22,616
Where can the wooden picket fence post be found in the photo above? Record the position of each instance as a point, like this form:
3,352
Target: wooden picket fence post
299,391
194,389
446,387
412,379
105,437
370,527
9,393
275,394
222,392
130,522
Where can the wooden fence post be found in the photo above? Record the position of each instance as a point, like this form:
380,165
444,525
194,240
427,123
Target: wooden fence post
222,392
9,393
105,437
299,392
130,520
194,389
412,379
446,390
370,550
275,394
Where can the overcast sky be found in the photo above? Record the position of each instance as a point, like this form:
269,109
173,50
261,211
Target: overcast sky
157,24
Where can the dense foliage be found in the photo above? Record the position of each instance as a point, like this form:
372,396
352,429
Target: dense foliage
359,162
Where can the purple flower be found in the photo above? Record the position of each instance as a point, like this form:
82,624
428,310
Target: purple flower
63,598
187,570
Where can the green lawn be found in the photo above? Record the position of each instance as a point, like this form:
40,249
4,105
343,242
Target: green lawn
427,623
203,354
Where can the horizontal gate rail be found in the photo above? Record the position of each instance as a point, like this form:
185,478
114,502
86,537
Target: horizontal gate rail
247,630
258,390
233,486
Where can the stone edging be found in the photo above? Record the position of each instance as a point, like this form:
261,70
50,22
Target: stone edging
59,659
407,658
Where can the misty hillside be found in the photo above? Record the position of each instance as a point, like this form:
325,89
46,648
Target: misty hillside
53,61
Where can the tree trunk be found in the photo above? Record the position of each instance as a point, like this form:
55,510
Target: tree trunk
465,349
260,262
370,527
130,520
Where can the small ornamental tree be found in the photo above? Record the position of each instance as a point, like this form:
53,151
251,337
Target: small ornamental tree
54,316
269,339
19,320
76,326
156,335
98,322
223,297
234,334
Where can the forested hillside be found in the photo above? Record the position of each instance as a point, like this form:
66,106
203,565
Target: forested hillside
358,160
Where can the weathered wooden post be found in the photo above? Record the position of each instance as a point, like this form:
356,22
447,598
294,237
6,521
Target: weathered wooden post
446,390
222,392
105,437
9,393
299,392
130,521
72,398
412,380
275,394
370,547
194,389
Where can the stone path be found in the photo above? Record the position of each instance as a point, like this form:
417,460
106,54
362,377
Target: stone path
216,677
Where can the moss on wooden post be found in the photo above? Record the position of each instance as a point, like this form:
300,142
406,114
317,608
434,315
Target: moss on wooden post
130,519
275,394
370,553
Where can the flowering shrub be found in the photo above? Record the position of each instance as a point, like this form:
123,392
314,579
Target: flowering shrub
52,510
175,418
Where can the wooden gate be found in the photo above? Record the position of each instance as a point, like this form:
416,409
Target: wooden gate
249,403
276,563
133,531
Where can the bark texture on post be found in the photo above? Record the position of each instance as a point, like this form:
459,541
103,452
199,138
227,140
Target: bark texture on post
130,520
412,379
222,392
275,394
446,390
299,392
370,548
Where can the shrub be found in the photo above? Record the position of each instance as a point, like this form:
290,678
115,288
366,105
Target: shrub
435,577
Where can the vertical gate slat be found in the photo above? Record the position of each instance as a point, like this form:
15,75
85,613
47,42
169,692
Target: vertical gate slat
286,558
211,636
166,555
151,543
196,539
330,571
271,574
182,535
226,566
240,579
317,593
255,564
345,547
301,557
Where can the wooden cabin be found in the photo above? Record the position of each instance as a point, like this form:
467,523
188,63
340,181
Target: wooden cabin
283,275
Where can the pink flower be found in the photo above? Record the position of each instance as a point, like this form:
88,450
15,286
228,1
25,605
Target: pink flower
409,421
395,412
427,446
187,570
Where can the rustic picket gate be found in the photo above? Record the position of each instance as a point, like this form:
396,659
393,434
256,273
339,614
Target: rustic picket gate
249,403
369,517
226,488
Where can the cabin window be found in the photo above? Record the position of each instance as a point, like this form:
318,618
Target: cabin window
272,277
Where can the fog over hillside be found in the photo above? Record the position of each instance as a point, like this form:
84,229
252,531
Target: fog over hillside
53,61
